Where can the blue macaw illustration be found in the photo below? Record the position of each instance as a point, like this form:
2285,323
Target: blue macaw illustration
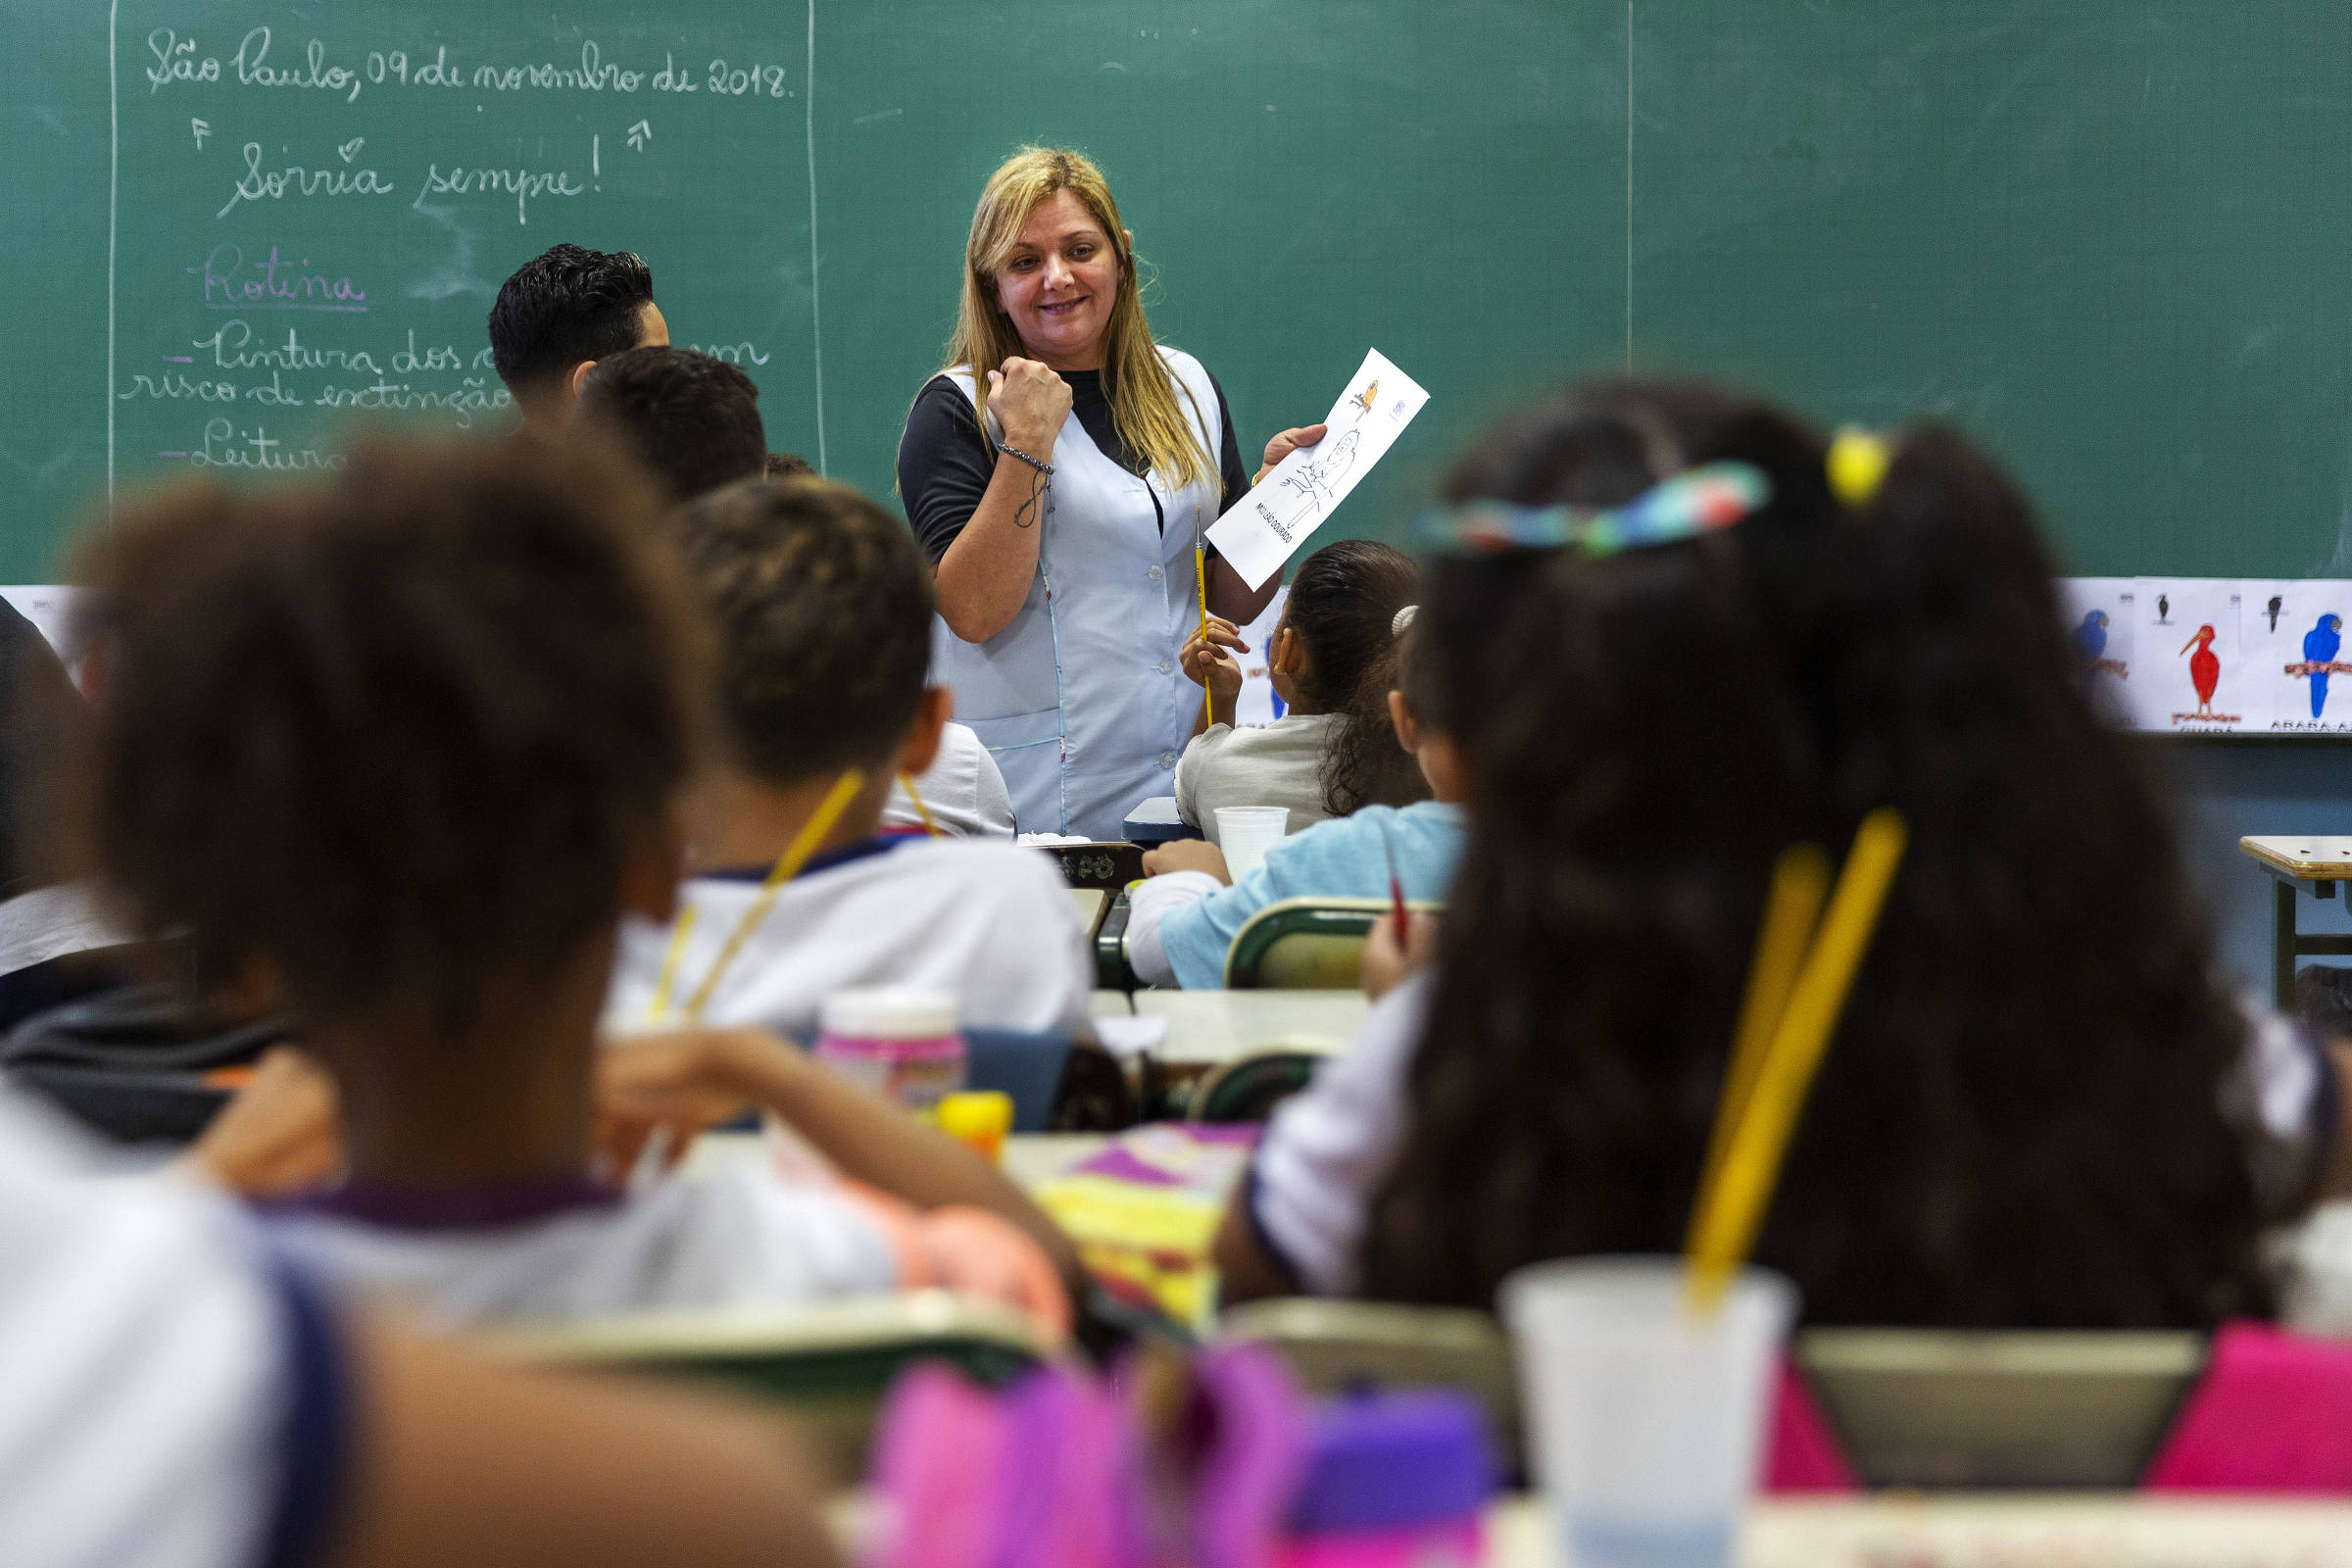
2090,638
2319,645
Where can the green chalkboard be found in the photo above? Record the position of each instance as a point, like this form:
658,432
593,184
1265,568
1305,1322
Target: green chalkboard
2110,236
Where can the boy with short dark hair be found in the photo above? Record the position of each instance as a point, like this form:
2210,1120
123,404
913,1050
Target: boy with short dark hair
563,311
397,751
822,612
690,420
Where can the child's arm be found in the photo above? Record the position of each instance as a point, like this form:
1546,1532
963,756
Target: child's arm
702,1077
1150,905
458,1458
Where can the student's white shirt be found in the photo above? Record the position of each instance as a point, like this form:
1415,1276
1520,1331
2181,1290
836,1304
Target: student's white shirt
990,922
52,922
736,1235
1281,764
1328,1147
167,1393
963,788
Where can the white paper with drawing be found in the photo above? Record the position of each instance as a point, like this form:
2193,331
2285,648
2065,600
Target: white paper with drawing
1275,517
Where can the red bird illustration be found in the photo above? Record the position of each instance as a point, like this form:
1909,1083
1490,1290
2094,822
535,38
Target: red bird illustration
2204,669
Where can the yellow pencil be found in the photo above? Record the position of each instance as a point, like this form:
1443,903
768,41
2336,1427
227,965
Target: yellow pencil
1801,880
906,782
1732,1208
658,1008
1208,711
788,864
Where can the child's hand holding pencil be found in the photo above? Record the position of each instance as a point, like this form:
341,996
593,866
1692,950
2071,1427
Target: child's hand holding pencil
1209,660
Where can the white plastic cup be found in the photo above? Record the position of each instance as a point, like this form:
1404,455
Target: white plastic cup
1245,832
1646,1416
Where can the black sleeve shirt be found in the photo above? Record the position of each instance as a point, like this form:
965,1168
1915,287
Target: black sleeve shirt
945,465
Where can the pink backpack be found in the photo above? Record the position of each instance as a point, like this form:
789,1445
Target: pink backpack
1064,1470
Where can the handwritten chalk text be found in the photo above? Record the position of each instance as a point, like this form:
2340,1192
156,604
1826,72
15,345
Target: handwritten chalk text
258,184
227,447
176,61
273,283
520,183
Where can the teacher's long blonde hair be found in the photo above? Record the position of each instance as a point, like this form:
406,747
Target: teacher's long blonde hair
1143,393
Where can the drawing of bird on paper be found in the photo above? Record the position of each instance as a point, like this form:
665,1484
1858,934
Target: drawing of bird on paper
2091,649
2321,645
2204,672
1362,401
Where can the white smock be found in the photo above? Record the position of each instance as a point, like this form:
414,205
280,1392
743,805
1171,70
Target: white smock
1080,699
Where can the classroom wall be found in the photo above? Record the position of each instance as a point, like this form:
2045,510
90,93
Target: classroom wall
2227,788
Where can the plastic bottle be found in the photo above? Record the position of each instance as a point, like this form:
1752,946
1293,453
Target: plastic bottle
897,1040
1392,1481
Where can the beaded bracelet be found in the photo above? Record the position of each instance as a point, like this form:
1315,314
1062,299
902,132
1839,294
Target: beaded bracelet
1045,468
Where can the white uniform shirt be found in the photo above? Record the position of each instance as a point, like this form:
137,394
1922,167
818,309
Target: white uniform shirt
170,1395
734,1236
963,788
1281,764
990,922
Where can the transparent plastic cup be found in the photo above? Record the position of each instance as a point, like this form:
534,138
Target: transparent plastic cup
1245,832
1646,1416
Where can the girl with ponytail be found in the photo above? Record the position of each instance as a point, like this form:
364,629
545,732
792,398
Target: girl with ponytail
2038,1111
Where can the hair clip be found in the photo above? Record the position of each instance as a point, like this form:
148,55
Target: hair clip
1696,501
1402,620
1857,464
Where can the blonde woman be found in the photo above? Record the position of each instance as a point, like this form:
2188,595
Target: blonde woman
1058,473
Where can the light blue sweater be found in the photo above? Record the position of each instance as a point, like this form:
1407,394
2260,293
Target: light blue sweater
1342,858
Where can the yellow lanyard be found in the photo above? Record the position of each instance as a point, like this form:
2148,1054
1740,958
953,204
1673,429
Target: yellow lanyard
788,864
906,782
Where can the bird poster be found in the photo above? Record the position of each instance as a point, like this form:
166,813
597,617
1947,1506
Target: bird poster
2300,681
2100,619
2190,643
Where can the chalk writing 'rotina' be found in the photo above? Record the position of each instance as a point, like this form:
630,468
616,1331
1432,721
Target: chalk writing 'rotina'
294,180
272,284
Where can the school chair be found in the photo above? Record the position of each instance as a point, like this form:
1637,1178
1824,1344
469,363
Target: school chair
1112,972
1027,1065
1248,1088
830,1362
1905,1407
1989,1409
1312,944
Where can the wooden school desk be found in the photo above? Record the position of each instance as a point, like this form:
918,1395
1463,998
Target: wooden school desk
2293,863
1090,902
1206,1028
